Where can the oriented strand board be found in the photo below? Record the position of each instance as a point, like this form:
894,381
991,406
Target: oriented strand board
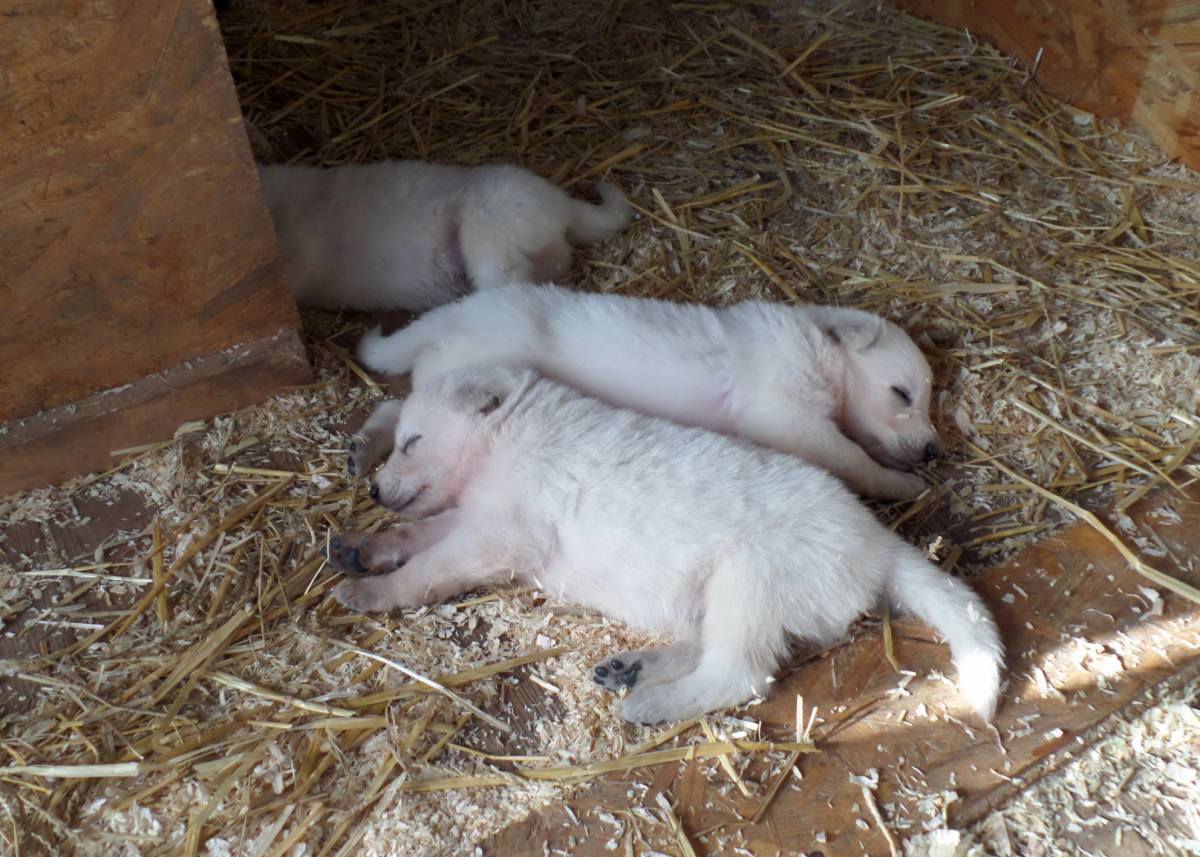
1085,638
134,236
1135,60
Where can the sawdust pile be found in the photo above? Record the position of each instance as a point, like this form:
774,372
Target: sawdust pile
1136,790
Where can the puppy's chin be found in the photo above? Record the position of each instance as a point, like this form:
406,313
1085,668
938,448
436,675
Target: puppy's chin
406,502
425,506
905,459
895,463
895,459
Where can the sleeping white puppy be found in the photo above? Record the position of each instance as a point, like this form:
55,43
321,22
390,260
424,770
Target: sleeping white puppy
841,388
728,547
411,235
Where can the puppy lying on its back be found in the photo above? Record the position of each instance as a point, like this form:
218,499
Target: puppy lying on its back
839,387
728,547
411,235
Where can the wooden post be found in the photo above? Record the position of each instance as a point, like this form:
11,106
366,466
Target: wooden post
139,271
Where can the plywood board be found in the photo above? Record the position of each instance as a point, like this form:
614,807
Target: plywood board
134,238
1134,60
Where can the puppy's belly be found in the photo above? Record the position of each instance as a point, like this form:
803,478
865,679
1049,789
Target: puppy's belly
710,408
643,598
685,398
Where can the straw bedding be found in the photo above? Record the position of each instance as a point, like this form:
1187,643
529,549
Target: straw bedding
818,152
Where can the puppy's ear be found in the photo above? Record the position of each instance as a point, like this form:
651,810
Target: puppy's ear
484,392
856,332
479,400
383,419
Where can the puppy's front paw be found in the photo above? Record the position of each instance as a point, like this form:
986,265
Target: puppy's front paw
618,673
359,461
345,554
899,485
361,596
364,554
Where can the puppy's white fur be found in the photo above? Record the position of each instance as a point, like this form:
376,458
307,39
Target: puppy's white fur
842,388
411,235
729,547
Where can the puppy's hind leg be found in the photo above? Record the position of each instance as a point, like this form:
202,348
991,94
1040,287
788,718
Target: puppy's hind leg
742,640
373,442
648,666
395,353
500,328
517,243
495,263
551,261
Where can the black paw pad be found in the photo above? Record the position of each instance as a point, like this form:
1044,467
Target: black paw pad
616,674
350,561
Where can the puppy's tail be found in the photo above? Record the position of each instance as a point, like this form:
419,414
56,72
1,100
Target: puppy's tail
960,615
393,354
597,222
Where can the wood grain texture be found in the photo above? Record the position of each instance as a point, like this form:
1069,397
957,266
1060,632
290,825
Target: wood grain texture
134,236
1134,60
1083,646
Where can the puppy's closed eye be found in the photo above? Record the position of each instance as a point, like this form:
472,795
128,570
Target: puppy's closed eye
408,444
902,395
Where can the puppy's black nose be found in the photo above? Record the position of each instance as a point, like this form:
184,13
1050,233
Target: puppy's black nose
931,451
374,492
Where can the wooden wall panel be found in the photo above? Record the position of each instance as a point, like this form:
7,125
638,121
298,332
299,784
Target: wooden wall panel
133,235
1134,60
134,238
